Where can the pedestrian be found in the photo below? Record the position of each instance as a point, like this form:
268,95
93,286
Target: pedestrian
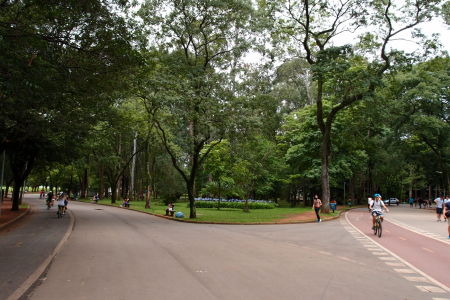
333,204
369,202
316,206
420,202
411,201
446,200
170,210
439,207
96,198
447,214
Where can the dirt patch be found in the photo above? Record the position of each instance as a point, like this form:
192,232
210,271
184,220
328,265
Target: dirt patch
309,216
6,214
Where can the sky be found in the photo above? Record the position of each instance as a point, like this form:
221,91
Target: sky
405,42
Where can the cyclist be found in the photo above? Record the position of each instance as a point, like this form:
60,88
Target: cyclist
49,199
61,205
377,209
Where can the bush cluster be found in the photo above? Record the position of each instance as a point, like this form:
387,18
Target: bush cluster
251,205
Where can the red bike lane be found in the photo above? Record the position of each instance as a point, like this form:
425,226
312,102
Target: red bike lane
428,255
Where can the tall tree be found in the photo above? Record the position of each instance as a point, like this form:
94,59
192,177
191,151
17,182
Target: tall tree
202,39
313,26
58,62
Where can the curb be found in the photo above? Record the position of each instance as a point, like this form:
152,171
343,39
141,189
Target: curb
28,283
26,212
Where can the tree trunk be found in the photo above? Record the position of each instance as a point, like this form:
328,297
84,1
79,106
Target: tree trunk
148,197
114,187
20,169
191,195
101,188
16,195
84,184
325,153
133,166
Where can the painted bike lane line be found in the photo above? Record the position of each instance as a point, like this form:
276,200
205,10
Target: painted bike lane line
430,256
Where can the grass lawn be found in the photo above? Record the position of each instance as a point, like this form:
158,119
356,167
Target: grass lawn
224,215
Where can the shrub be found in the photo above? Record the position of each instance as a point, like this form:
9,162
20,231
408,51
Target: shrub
240,205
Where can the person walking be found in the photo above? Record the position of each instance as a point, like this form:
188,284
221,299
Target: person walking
439,207
411,202
446,200
316,206
447,215
369,202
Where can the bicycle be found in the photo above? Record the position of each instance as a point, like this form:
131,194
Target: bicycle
378,228
49,203
60,212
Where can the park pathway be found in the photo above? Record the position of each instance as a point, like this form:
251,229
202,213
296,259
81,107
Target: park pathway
412,237
120,254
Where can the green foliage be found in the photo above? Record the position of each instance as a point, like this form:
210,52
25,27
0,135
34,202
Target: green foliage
237,205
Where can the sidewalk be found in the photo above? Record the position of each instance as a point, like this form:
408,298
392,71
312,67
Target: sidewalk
28,246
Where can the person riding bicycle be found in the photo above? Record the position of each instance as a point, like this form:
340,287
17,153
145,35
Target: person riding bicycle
377,209
61,205
49,199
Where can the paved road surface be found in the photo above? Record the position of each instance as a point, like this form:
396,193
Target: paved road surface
426,255
26,244
119,254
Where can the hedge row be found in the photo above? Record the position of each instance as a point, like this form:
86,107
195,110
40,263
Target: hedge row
251,205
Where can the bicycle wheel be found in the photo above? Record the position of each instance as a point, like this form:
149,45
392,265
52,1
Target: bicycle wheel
380,229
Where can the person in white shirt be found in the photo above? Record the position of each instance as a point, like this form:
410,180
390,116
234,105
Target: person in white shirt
369,202
377,209
439,207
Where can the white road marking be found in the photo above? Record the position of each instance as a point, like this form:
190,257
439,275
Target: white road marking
405,271
387,258
394,264
429,250
379,253
374,249
420,231
431,279
416,278
430,289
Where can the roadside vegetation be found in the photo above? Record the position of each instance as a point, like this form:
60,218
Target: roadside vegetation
226,215
171,101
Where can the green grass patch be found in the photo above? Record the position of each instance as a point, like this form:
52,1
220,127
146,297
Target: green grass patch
224,215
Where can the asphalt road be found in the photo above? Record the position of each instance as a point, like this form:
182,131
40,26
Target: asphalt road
425,253
26,244
119,254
